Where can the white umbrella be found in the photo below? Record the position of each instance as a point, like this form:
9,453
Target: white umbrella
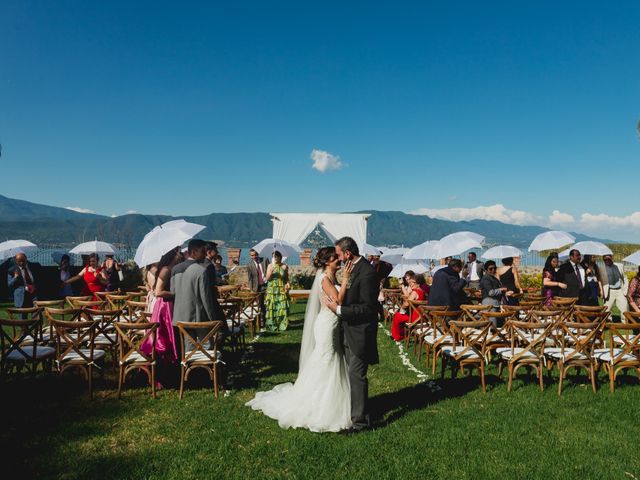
163,239
267,246
393,255
502,251
11,248
591,248
633,258
426,250
95,246
402,268
551,240
367,249
457,243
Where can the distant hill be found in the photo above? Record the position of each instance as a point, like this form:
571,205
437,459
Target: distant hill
44,224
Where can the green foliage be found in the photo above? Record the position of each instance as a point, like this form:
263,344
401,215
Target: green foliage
531,281
301,281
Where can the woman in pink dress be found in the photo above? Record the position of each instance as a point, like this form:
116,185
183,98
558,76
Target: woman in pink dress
162,314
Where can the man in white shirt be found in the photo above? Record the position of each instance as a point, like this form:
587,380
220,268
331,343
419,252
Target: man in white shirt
474,270
256,273
573,275
614,285
22,282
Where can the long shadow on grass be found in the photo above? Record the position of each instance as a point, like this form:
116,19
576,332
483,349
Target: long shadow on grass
389,407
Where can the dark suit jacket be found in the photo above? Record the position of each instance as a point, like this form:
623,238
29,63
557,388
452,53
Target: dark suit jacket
252,273
447,289
16,284
479,268
359,312
567,274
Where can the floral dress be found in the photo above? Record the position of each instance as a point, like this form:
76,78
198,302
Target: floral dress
277,301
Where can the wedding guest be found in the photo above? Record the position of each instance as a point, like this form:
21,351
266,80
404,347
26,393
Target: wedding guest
633,293
113,271
447,288
149,275
163,314
592,277
382,269
256,272
221,270
276,300
194,302
22,281
614,285
411,291
550,284
66,290
422,282
492,290
573,275
473,270
94,278
510,278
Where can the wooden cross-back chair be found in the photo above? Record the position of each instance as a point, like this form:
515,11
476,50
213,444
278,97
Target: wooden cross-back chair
18,348
519,312
473,294
391,303
563,301
623,352
117,301
423,327
526,348
106,337
469,348
71,300
198,353
89,303
63,314
498,335
531,297
250,312
632,317
135,352
75,348
49,303
440,335
133,311
589,308
232,306
29,313
577,344
225,291
471,313
414,309
531,304
137,296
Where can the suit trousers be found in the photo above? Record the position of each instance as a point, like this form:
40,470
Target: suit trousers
618,298
357,369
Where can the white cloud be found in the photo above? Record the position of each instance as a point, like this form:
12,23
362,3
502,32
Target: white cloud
602,220
131,212
492,212
325,161
559,218
80,209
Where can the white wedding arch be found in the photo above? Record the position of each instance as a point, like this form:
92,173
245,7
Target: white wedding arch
296,227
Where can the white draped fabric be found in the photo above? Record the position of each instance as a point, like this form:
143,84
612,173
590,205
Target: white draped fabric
296,227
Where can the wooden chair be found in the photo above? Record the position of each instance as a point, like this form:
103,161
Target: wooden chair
422,327
519,312
106,337
134,311
232,306
531,304
527,342
576,349
117,301
498,334
195,353
440,336
131,337
18,347
472,312
89,304
225,291
588,308
632,317
71,300
391,303
137,296
529,297
49,303
414,307
564,301
75,348
469,348
250,311
623,352
30,313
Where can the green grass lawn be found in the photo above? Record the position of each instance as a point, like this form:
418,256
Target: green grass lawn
50,428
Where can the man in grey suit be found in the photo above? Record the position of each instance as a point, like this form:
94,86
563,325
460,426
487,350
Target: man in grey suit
191,283
359,320
256,273
21,281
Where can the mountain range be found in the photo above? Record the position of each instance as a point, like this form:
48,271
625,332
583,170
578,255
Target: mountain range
43,224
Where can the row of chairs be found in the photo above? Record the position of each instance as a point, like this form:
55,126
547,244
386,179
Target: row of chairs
448,335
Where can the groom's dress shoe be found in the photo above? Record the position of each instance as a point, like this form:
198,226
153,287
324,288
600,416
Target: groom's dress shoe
353,430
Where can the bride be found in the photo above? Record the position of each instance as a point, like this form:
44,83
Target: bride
320,399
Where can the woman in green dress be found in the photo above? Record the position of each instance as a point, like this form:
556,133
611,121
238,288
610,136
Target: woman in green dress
277,297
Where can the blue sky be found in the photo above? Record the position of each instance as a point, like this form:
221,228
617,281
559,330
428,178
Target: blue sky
500,110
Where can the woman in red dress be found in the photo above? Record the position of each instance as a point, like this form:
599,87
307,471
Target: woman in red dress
411,291
94,278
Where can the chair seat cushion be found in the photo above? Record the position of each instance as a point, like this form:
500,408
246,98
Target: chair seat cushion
569,354
507,354
41,352
200,357
136,357
452,351
620,341
105,339
439,338
73,356
604,355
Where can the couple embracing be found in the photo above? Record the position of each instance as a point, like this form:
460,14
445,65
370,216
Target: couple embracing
338,344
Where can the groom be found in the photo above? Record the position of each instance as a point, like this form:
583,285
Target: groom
359,319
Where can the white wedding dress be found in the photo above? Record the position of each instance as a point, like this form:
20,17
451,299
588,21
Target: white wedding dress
320,399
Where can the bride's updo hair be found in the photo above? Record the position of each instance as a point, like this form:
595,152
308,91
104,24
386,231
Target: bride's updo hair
324,256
